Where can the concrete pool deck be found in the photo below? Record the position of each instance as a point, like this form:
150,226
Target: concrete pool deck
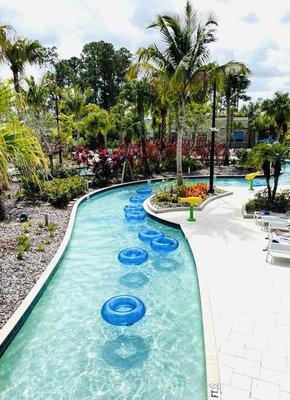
249,298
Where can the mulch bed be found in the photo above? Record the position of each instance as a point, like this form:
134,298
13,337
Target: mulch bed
17,277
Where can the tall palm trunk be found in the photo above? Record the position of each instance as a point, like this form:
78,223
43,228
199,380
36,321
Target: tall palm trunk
277,172
267,174
15,73
141,117
180,131
163,113
228,132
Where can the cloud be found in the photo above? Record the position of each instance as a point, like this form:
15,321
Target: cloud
260,39
286,18
251,18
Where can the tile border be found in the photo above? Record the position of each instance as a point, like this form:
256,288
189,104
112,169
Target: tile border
212,368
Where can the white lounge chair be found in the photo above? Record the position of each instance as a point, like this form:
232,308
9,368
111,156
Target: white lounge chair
281,225
265,219
281,250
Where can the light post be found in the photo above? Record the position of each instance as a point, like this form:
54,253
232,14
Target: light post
211,166
212,146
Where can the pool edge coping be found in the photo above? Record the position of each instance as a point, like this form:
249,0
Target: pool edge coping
17,319
211,360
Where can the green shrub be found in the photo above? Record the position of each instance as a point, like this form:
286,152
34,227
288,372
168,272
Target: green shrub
170,164
59,192
60,171
41,247
280,204
164,196
23,242
48,240
31,188
26,226
51,228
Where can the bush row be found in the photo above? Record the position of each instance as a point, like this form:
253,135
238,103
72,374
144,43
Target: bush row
280,204
58,192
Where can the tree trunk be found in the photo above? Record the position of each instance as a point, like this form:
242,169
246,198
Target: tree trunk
228,132
16,79
60,156
267,173
50,156
180,131
277,172
2,209
163,124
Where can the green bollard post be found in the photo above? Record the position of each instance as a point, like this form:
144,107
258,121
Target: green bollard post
251,184
191,214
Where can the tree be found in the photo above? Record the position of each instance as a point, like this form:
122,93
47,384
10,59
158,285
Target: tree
267,156
69,72
234,85
18,52
137,96
182,60
197,118
36,95
104,70
252,111
18,144
94,125
265,126
73,103
62,135
279,109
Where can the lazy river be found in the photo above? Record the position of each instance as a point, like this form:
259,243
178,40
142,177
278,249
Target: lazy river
65,350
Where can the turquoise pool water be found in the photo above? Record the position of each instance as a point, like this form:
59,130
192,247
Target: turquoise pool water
65,351
242,182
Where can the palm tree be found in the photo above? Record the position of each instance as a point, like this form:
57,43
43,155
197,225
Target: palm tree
18,52
267,156
18,144
279,109
73,102
137,95
231,79
181,62
36,95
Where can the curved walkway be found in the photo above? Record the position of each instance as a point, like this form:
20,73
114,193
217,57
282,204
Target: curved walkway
250,299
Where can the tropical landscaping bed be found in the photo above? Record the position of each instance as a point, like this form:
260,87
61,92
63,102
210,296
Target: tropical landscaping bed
169,196
25,251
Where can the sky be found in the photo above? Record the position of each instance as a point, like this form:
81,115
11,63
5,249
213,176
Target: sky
255,32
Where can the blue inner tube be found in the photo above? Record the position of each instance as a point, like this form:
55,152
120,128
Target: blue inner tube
144,191
164,244
148,234
133,256
133,207
123,310
135,215
137,199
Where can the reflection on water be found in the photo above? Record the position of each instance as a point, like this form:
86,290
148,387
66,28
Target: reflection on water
126,352
166,264
134,279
